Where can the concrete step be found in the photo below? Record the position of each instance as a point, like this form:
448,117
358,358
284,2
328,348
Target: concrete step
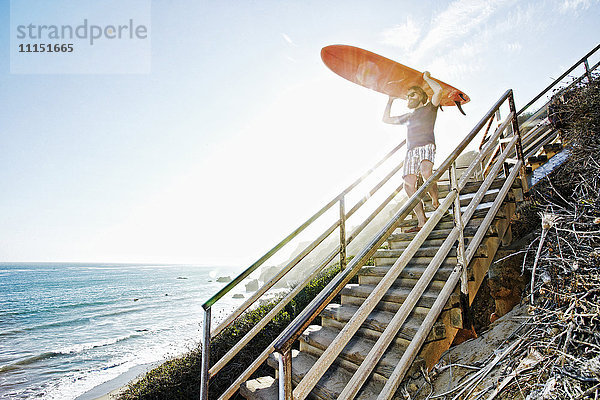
453,305
429,251
552,148
413,222
402,244
337,315
410,271
445,223
332,382
415,261
423,256
402,282
395,295
316,339
470,187
469,232
262,388
489,197
400,240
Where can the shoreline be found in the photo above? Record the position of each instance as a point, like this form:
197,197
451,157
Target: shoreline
110,389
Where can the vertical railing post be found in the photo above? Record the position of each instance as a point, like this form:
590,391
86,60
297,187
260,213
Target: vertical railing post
205,355
519,146
503,139
460,251
285,374
342,233
587,70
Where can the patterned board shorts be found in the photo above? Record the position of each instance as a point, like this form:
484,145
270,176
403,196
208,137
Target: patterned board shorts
412,162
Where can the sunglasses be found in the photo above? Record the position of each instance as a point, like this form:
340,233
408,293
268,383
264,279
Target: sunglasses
413,94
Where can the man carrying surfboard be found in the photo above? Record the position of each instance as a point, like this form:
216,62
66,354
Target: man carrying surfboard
420,140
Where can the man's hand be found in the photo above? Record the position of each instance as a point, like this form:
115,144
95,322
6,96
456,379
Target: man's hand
437,89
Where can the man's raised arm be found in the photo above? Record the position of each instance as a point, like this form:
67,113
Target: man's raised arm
436,98
399,120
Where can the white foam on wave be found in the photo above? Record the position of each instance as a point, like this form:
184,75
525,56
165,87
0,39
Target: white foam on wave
166,325
78,348
75,384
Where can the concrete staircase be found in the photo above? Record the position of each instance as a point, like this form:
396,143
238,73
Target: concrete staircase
411,330
316,338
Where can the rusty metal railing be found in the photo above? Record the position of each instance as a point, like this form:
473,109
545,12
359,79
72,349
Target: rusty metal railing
208,371
410,353
534,131
583,61
461,219
284,343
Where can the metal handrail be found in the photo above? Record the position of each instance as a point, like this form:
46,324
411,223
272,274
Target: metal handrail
542,109
530,139
309,312
587,74
208,372
293,331
583,60
207,304
260,359
410,353
390,332
227,357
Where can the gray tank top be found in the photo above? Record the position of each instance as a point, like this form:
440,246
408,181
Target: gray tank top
420,126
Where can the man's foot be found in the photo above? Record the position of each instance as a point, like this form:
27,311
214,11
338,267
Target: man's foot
435,205
414,229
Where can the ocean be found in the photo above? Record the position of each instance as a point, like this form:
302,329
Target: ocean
68,330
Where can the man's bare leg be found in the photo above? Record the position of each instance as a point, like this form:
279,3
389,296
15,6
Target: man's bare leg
426,172
410,185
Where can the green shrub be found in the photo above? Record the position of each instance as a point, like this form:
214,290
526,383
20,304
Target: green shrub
179,378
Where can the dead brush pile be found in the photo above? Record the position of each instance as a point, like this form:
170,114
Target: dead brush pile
559,356
565,266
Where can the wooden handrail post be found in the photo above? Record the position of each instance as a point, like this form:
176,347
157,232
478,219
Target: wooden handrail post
343,232
519,146
458,222
205,355
460,251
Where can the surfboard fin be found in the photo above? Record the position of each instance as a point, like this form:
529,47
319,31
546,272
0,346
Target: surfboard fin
459,107
441,109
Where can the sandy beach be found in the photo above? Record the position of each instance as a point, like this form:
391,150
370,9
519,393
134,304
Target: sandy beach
110,389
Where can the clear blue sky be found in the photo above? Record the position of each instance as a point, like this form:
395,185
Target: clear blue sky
239,130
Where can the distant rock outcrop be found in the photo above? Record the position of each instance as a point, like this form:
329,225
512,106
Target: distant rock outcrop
252,286
224,279
267,273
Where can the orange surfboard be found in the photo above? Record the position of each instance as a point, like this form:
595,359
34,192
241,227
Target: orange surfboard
384,75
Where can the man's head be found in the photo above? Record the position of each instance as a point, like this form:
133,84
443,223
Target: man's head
415,96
